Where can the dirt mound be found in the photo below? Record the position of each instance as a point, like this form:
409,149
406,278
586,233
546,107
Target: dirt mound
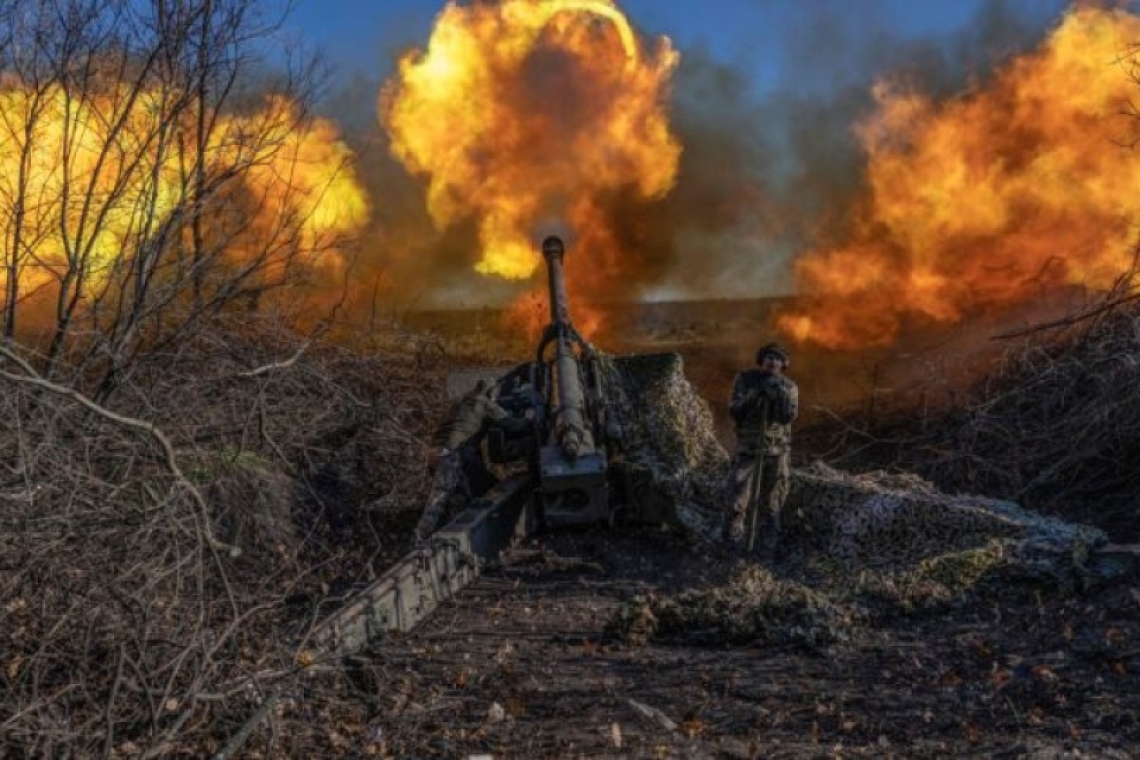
753,608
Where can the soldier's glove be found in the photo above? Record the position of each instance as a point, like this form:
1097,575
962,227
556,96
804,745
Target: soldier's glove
771,390
514,424
758,398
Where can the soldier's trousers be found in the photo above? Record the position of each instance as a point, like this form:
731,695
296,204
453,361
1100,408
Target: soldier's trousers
768,495
448,479
460,475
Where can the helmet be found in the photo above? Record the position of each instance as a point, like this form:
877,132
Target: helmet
773,349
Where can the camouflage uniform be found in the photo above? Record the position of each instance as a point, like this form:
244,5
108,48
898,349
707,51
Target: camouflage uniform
461,473
763,406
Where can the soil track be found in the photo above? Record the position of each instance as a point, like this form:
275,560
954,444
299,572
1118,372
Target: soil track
521,665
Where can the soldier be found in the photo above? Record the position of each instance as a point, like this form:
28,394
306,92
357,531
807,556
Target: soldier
764,403
460,472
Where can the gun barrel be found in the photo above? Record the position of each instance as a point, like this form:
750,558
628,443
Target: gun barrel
572,431
553,250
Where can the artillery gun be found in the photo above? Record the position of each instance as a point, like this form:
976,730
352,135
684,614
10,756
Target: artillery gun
565,469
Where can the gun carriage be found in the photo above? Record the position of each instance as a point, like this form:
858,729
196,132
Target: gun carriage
564,469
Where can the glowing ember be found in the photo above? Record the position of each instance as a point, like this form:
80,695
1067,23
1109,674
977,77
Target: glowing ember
990,199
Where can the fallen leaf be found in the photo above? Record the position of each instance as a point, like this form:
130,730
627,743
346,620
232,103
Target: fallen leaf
692,727
615,735
972,732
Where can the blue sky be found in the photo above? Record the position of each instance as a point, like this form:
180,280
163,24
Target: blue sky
758,35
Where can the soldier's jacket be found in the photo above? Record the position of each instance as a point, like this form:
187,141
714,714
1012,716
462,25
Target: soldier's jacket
751,393
468,421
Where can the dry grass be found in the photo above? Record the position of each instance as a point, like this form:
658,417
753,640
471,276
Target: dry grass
128,627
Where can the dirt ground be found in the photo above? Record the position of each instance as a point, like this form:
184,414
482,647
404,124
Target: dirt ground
523,664
527,662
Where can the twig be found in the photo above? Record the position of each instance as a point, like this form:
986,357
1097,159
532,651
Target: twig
273,366
1067,321
31,377
235,743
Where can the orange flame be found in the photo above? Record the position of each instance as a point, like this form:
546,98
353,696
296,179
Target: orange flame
73,184
526,110
985,201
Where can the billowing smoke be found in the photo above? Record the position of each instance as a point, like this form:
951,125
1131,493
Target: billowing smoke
769,171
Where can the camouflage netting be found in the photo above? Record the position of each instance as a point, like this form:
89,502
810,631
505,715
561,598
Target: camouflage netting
871,520
667,429
871,543
897,521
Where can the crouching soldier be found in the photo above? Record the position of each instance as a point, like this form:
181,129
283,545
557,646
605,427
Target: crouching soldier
764,403
461,474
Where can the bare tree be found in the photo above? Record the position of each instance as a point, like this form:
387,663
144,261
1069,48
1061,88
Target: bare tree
150,179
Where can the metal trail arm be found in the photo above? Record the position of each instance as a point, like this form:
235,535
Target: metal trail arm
429,575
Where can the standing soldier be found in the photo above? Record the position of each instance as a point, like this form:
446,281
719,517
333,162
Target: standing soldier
764,403
460,471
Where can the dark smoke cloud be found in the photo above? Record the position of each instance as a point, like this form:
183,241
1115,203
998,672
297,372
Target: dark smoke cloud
767,175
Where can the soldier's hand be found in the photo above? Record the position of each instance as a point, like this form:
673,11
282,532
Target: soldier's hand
515,424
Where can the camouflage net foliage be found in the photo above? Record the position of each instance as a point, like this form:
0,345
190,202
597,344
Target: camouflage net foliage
879,520
872,544
668,433
753,608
